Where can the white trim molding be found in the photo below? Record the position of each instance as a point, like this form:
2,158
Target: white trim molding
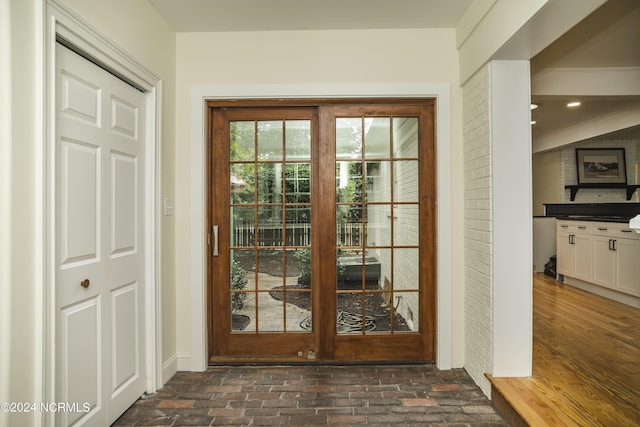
61,23
199,96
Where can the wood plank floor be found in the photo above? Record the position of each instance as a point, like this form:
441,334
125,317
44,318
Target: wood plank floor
586,361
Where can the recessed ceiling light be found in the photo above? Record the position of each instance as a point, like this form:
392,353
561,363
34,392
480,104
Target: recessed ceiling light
534,106
573,104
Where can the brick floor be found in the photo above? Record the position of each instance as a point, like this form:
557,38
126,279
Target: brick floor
364,395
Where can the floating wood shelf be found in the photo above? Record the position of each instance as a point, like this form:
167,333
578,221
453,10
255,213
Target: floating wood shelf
574,188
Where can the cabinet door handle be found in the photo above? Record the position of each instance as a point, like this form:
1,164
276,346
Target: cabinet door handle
615,245
627,231
564,226
602,229
582,227
610,244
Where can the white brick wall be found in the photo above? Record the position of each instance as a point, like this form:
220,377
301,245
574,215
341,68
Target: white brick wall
568,173
477,227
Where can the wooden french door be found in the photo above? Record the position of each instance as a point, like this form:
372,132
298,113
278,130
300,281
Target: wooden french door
321,232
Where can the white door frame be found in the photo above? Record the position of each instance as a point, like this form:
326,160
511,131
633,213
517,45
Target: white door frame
63,23
197,359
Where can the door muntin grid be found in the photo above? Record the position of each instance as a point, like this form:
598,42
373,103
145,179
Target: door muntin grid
377,225
270,214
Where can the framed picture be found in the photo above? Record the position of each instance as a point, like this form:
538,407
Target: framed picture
601,166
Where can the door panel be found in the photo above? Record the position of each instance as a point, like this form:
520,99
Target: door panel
99,234
81,359
80,203
326,217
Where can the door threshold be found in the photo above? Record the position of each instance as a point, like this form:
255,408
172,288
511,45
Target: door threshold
289,362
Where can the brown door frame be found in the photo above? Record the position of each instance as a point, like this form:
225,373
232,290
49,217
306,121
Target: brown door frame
330,346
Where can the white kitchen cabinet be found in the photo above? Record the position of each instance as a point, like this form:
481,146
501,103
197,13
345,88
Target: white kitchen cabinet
603,261
574,250
606,254
628,265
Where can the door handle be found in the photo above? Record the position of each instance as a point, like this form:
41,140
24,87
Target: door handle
215,240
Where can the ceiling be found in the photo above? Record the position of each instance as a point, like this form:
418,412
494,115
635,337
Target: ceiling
607,38
287,15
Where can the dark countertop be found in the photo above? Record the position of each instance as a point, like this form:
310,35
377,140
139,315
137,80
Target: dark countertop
618,219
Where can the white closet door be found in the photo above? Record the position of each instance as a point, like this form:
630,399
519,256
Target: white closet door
99,242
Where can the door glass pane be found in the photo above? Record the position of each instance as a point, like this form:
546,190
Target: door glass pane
405,275
298,311
378,181
241,284
244,319
298,228
298,140
405,225
298,182
378,226
377,313
243,139
377,137
243,226
407,304
349,225
405,181
241,183
350,318
349,138
405,137
271,311
270,140
269,183
349,182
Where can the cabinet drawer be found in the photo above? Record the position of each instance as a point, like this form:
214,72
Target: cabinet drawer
626,233
606,229
574,227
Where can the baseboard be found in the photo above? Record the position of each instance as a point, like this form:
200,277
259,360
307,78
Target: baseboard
169,368
185,362
603,292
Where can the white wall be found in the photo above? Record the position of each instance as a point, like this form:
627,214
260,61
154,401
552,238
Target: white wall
139,30
5,201
309,58
512,220
546,174
20,365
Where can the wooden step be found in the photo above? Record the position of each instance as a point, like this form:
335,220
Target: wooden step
525,402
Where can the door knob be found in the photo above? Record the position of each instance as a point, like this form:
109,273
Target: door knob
85,283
